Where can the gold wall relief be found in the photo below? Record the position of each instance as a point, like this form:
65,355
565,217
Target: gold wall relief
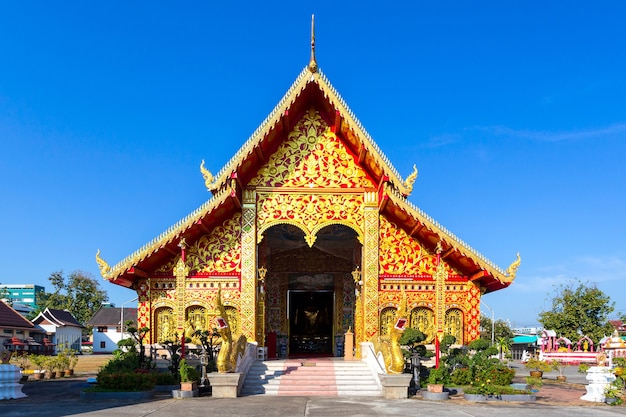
400,254
216,252
423,319
454,324
165,320
309,212
311,156
387,320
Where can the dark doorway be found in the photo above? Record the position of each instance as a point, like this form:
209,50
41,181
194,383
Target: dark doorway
311,322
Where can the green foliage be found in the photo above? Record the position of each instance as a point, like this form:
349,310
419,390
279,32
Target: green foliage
479,344
534,382
583,367
461,377
127,381
187,372
165,378
438,375
494,390
534,364
80,294
615,390
412,342
501,329
578,308
38,360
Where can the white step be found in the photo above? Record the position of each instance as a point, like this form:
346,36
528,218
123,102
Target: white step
310,377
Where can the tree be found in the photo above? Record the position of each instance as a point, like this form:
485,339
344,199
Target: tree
501,329
578,309
79,293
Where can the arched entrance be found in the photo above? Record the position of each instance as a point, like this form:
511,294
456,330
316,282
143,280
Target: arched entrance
310,294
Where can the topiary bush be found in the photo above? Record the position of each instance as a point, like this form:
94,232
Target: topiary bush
127,381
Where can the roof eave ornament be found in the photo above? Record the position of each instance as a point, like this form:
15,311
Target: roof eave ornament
313,63
209,179
511,271
410,180
105,269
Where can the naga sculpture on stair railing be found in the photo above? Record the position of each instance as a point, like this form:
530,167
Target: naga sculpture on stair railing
230,349
389,345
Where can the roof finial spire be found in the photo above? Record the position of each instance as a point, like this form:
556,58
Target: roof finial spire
312,62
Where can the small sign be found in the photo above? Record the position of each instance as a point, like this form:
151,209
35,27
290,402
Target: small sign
221,323
401,324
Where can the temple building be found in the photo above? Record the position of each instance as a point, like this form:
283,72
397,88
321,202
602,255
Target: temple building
308,234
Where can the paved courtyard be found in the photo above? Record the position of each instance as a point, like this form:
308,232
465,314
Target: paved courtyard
62,398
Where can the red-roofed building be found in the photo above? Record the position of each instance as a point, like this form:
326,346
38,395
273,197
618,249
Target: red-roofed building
15,329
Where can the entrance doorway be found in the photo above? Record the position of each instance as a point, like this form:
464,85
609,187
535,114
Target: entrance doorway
311,322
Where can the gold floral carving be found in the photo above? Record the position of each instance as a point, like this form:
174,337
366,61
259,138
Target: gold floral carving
400,254
166,328
310,212
423,319
248,272
216,252
454,324
312,156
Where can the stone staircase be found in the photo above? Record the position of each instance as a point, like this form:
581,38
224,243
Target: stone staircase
310,377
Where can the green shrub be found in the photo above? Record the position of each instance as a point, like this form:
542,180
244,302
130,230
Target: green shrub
165,378
462,376
500,375
127,381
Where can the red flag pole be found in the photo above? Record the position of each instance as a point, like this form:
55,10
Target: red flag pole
182,346
437,353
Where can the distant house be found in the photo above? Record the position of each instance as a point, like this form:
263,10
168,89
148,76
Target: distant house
17,333
619,326
61,328
107,327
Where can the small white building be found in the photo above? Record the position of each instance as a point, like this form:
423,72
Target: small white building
107,327
61,328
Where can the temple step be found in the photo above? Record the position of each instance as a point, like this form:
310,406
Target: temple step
310,377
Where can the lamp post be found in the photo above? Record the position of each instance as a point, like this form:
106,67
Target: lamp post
122,316
493,322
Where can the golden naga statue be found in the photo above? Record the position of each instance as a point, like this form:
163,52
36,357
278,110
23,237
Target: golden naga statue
389,344
105,269
511,271
229,351
410,180
208,177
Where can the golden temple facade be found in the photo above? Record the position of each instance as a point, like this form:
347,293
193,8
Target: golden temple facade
308,234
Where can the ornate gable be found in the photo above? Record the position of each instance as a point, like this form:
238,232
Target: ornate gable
312,156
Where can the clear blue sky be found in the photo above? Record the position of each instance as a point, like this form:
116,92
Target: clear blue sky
513,112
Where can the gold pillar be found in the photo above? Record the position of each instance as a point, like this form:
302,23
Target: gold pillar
180,272
260,326
369,293
247,309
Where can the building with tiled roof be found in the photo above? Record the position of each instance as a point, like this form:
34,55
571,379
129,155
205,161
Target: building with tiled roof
107,327
309,234
15,330
61,327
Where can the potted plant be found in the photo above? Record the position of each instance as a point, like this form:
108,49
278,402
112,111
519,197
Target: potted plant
559,367
50,364
40,363
73,360
537,367
614,391
24,364
63,363
436,379
188,376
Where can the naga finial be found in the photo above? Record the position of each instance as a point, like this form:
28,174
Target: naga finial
511,271
105,269
408,183
208,177
313,62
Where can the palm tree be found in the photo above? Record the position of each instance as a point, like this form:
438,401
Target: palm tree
504,346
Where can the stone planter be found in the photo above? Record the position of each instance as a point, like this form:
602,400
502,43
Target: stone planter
225,385
518,397
435,396
38,375
561,378
536,374
9,386
188,386
395,386
475,397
